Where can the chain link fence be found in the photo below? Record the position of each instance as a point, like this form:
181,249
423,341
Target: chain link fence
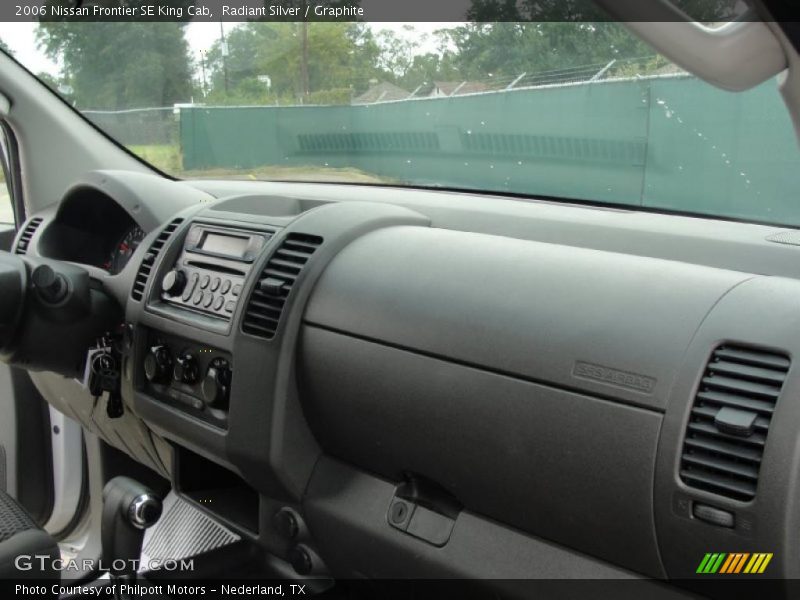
139,126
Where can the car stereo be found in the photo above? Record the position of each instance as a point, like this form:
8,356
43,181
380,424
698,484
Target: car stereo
209,273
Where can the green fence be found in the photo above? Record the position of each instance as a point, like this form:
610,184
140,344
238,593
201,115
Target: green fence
674,142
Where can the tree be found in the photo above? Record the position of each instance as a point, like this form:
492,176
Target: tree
507,49
112,65
265,61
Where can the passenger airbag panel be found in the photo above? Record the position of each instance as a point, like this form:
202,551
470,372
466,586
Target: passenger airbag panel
613,325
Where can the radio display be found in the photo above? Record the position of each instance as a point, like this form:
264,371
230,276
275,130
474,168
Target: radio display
226,245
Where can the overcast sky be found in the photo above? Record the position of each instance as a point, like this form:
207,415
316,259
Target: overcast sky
21,38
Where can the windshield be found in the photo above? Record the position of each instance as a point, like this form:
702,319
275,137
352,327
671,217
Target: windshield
579,111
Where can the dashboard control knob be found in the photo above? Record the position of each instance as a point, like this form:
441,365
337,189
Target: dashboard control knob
217,383
174,282
286,523
186,369
52,286
157,364
302,560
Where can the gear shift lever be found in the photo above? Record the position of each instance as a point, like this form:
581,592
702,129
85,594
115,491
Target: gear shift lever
128,509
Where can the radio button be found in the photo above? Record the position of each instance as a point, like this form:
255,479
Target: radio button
226,285
204,282
237,289
219,302
198,297
215,284
230,306
187,293
208,300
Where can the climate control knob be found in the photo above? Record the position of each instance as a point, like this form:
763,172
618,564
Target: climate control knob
186,369
217,383
174,282
158,364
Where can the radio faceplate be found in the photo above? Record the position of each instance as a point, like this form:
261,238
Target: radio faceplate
210,272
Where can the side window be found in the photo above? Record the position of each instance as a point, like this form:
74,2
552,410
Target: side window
6,207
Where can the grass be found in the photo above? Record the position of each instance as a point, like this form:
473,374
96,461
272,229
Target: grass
168,159
164,157
295,173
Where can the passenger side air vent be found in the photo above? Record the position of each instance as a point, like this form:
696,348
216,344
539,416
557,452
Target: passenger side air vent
730,419
266,303
140,283
27,235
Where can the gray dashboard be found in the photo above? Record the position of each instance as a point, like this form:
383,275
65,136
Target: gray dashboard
524,373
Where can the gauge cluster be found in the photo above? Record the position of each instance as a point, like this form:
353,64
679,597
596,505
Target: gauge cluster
90,228
123,251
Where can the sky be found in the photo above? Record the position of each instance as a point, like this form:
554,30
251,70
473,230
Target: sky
21,38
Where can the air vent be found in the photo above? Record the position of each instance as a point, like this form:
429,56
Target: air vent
27,235
266,303
140,283
728,426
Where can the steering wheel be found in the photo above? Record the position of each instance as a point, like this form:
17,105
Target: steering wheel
14,283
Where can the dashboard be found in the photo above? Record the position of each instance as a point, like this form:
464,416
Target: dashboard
376,364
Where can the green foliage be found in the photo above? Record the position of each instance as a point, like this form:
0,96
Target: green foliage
510,48
113,65
264,61
331,96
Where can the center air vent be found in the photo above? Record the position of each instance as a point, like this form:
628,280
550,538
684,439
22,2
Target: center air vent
728,426
140,283
27,235
266,303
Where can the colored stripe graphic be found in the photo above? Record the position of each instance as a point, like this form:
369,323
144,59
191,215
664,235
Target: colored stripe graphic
734,563
741,562
703,563
711,562
717,563
763,566
754,563
727,564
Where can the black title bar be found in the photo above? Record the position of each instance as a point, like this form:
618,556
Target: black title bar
709,11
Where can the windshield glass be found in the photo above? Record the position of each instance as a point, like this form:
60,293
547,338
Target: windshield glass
580,111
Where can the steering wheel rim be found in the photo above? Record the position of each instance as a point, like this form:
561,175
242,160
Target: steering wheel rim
14,283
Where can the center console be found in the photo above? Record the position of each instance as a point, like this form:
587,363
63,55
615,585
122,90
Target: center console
200,281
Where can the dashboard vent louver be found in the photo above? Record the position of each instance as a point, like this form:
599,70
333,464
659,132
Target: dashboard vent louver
27,235
275,282
730,419
142,276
